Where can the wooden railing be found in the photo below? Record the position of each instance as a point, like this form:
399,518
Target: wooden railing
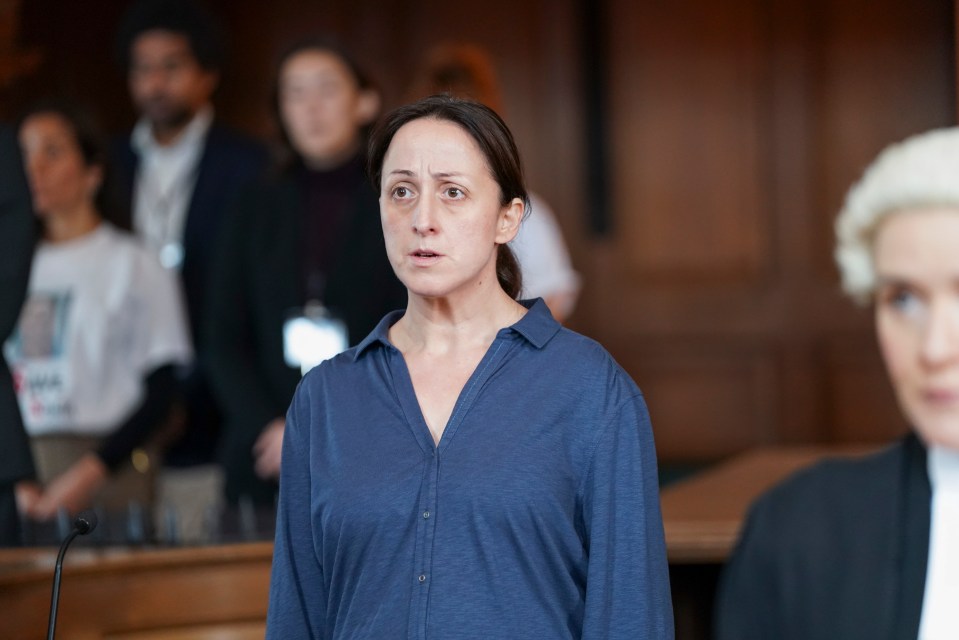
197,593
221,592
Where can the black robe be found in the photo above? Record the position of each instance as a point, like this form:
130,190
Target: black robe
838,550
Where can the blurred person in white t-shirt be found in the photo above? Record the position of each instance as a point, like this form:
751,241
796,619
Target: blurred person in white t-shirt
100,335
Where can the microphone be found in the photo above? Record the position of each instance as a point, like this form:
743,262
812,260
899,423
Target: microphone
84,523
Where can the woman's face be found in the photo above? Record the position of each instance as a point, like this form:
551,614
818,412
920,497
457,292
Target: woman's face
441,210
917,317
60,179
323,108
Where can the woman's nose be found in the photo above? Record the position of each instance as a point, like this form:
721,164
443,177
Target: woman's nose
424,219
940,342
33,167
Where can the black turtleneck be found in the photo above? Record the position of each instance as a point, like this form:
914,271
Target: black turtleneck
327,196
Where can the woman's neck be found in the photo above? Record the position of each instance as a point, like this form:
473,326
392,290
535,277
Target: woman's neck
444,325
66,226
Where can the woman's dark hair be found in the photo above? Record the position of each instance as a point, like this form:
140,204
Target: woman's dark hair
321,44
188,18
90,141
494,140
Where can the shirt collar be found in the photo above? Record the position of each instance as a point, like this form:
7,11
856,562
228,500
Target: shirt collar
379,335
943,468
192,135
538,326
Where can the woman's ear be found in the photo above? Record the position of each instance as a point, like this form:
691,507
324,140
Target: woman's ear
367,106
510,217
94,180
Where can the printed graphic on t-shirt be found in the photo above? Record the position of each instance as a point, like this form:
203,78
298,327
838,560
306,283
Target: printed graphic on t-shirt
36,354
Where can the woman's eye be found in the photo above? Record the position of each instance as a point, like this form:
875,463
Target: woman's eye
401,192
454,192
902,299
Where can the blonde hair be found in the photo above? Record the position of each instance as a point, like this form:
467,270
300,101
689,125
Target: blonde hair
921,171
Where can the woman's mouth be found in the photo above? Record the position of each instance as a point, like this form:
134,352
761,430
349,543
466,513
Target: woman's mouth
941,396
424,257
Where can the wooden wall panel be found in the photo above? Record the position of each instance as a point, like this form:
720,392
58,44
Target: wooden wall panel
734,129
688,112
859,401
880,76
738,126
706,400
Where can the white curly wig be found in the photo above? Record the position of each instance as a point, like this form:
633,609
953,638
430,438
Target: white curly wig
921,171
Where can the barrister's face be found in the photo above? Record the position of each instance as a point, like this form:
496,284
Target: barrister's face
916,257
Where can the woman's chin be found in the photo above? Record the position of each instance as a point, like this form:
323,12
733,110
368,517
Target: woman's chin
939,431
428,289
424,284
429,293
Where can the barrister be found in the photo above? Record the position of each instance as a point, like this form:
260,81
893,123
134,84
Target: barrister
867,548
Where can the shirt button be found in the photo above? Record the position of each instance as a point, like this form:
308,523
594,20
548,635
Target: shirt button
426,514
422,578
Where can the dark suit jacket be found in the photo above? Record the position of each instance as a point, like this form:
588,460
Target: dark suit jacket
18,236
838,550
229,163
257,282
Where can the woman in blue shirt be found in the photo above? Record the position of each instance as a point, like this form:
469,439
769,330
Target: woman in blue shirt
471,469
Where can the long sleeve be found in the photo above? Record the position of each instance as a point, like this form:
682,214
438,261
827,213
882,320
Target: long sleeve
229,332
160,389
627,585
297,595
161,345
237,364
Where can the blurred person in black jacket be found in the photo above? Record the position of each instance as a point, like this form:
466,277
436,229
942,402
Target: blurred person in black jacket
180,173
309,237
18,232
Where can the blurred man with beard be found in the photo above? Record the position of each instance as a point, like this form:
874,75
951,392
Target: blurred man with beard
180,173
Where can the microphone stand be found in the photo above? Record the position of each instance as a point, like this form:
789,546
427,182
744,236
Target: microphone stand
85,522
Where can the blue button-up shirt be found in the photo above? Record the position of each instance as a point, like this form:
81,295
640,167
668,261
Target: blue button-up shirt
536,516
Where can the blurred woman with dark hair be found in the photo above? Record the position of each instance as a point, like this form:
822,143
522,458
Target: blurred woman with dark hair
99,335
304,247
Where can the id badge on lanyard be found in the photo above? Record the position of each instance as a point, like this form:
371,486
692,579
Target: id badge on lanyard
312,335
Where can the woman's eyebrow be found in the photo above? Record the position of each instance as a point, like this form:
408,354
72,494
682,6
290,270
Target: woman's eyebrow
447,174
434,174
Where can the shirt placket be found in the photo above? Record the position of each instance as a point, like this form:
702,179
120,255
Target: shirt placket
423,554
427,506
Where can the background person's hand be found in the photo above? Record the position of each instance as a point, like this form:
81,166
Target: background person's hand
268,450
27,493
73,489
